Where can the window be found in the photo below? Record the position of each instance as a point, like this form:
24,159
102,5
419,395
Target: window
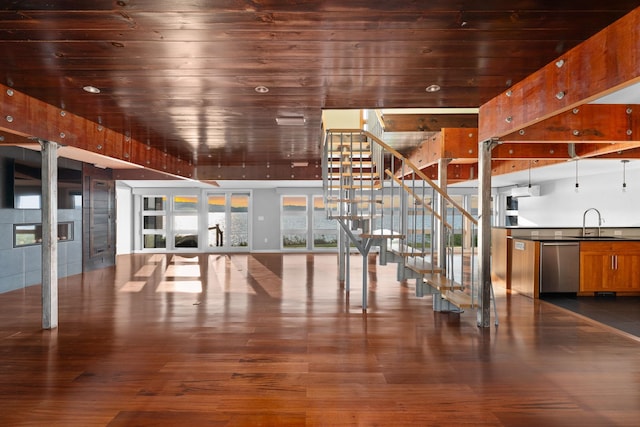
31,234
154,222
293,215
185,221
217,219
239,220
325,231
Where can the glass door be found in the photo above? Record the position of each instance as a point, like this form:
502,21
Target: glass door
228,221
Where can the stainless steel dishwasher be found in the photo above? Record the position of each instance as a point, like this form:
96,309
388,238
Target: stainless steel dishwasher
559,267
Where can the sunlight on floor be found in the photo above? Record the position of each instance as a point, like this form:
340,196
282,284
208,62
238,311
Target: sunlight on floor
182,271
132,287
185,286
146,270
155,259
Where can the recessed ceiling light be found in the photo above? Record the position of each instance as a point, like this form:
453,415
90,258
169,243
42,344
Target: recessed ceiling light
91,89
432,88
262,89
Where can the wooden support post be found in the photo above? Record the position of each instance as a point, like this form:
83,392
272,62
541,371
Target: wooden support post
484,232
49,234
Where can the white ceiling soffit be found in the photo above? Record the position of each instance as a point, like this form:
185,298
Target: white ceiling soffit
627,95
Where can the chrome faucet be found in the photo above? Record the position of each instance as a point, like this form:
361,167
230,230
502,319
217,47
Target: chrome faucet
584,219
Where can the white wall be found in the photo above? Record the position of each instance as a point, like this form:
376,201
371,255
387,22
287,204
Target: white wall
124,215
560,206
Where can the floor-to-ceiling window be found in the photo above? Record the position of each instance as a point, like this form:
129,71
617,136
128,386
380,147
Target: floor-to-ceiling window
185,221
221,220
325,231
154,222
293,222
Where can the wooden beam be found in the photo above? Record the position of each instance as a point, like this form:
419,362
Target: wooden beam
460,172
586,123
428,122
273,171
523,150
460,144
28,117
622,149
457,144
428,152
606,62
633,153
501,167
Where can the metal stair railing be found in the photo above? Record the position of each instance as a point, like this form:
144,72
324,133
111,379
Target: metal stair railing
382,199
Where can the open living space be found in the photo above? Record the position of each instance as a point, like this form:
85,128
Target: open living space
319,213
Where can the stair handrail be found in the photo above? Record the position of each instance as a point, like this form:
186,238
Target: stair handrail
413,167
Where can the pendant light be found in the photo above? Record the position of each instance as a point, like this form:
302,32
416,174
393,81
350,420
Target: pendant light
624,175
577,188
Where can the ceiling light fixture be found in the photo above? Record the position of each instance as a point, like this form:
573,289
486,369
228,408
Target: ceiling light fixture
261,89
432,88
91,89
291,121
577,187
299,164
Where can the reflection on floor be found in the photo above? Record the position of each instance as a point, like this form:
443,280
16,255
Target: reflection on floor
622,313
276,340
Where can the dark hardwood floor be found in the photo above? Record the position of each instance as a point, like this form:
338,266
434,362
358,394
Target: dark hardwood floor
266,339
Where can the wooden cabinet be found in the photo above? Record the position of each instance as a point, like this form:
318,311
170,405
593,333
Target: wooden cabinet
525,267
609,266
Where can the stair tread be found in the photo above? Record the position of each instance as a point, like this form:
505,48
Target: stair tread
352,173
356,187
364,163
441,282
354,217
333,199
420,265
458,298
389,235
405,250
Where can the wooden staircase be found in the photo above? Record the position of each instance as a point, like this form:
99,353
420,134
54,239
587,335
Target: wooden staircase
381,200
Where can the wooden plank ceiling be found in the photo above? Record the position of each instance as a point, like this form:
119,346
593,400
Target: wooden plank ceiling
180,76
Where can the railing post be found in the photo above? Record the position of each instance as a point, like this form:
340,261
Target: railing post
484,231
442,211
